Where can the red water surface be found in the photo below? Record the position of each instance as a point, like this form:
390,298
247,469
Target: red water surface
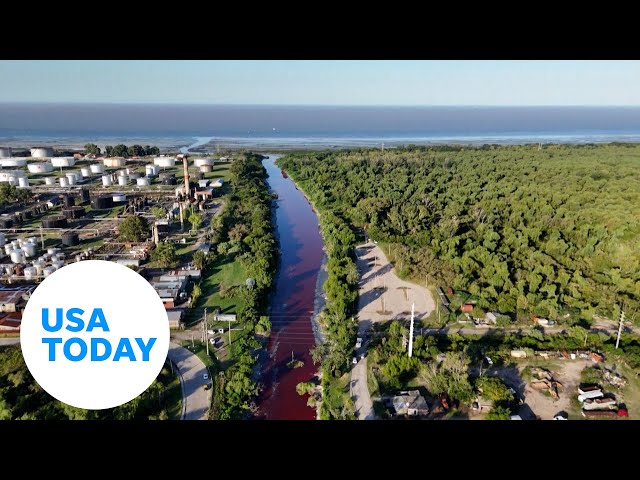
291,303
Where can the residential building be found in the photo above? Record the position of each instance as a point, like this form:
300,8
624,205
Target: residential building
410,403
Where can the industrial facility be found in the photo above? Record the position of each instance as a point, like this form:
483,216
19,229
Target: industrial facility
71,210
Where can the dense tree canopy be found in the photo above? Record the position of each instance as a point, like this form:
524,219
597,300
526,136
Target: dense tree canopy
133,229
528,232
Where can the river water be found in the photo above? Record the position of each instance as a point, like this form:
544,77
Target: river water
292,302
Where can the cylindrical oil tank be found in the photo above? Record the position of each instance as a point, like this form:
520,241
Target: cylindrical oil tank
68,200
135,175
39,266
150,170
74,212
64,181
29,249
165,162
50,181
3,239
114,162
123,173
142,182
85,171
170,181
100,203
71,178
52,250
13,162
42,152
70,239
199,162
23,182
30,273
5,151
6,222
206,169
59,162
48,271
122,180
17,256
85,195
8,248
43,167
119,197
56,221
97,168
106,180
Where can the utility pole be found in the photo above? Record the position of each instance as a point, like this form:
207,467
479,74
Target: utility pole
620,328
192,345
413,308
42,237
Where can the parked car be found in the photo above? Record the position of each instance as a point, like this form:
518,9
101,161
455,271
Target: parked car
355,360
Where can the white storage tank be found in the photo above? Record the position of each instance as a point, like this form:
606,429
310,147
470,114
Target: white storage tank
200,162
43,167
5,151
42,152
86,171
52,250
13,162
29,250
23,182
106,180
63,161
123,173
30,273
50,181
64,181
142,181
8,248
122,180
97,168
58,264
48,271
114,162
17,256
165,162
71,178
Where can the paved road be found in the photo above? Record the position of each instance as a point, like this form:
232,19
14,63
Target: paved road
195,400
9,341
360,391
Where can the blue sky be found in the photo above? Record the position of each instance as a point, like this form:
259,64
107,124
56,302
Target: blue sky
324,82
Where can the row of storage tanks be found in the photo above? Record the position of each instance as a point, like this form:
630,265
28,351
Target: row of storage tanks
21,249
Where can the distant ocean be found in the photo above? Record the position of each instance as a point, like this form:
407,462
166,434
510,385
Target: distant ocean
273,126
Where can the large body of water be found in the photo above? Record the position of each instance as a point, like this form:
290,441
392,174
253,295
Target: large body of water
292,302
312,126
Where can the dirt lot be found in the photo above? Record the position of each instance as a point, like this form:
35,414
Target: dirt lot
383,296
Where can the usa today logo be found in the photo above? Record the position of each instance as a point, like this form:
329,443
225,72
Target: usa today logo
94,334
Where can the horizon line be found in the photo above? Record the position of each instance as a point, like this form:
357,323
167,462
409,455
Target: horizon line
315,105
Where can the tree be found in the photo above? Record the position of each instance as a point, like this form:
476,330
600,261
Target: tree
120,150
195,219
133,229
494,389
165,255
92,148
579,333
151,150
136,151
199,259
158,212
499,413
108,150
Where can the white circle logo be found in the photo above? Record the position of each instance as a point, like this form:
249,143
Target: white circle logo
94,334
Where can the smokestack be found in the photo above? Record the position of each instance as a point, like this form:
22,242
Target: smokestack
186,175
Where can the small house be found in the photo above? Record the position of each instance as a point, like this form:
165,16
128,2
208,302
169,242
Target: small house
492,316
11,322
175,318
13,299
465,307
410,403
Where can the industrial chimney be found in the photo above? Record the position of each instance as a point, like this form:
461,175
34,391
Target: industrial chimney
184,157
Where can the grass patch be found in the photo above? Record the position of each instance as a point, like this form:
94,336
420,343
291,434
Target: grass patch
173,392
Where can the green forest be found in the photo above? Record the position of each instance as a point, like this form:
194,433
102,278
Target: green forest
551,231
21,398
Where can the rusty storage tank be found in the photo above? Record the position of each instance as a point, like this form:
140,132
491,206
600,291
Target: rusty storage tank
70,239
85,195
74,212
56,221
68,200
100,203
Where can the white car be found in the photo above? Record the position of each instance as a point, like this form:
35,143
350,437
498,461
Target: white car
355,360
205,376
212,341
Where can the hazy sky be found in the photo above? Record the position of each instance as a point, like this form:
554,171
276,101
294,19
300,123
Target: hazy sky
324,82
